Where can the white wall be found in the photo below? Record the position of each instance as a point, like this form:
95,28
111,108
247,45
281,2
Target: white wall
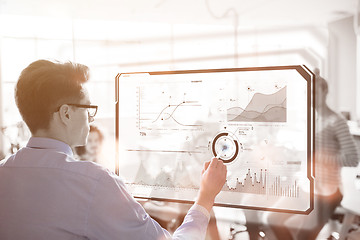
1,116
342,66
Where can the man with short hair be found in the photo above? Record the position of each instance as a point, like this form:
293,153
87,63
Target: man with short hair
46,194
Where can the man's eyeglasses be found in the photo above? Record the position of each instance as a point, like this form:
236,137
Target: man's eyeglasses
92,109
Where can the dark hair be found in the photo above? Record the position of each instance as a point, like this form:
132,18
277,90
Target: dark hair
321,84
43,86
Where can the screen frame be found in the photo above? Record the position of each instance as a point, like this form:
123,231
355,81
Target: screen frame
304,71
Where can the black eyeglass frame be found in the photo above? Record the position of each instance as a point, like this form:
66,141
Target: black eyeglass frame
81,106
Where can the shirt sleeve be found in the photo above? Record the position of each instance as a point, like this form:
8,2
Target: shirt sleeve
114,214
194,225
349,154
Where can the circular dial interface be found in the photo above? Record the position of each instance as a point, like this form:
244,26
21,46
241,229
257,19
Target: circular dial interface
225,147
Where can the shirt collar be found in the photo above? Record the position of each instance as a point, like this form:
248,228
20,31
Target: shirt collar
49,143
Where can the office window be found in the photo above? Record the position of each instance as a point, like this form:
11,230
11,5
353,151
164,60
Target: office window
110,47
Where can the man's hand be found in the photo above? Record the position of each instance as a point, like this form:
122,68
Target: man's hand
213,178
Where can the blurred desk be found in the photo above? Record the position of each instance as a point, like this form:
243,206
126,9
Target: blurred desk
351,200
161,211
229,215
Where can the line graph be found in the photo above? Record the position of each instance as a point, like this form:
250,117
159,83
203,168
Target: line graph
259,185
167,109
178,177
261,108
250,184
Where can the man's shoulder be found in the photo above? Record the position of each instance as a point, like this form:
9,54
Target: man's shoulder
84,168
55,163
90,172
2,162
6,159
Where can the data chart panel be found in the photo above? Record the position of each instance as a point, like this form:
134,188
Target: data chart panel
258,121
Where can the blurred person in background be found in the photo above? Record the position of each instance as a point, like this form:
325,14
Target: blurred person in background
92,151
334,148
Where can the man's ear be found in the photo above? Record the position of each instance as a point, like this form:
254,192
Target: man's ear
65,114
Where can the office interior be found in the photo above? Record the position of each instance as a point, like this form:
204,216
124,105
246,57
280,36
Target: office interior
160,35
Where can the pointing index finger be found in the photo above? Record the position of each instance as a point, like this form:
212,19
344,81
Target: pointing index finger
213,163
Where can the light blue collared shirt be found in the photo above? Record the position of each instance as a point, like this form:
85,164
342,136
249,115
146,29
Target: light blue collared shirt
46,194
